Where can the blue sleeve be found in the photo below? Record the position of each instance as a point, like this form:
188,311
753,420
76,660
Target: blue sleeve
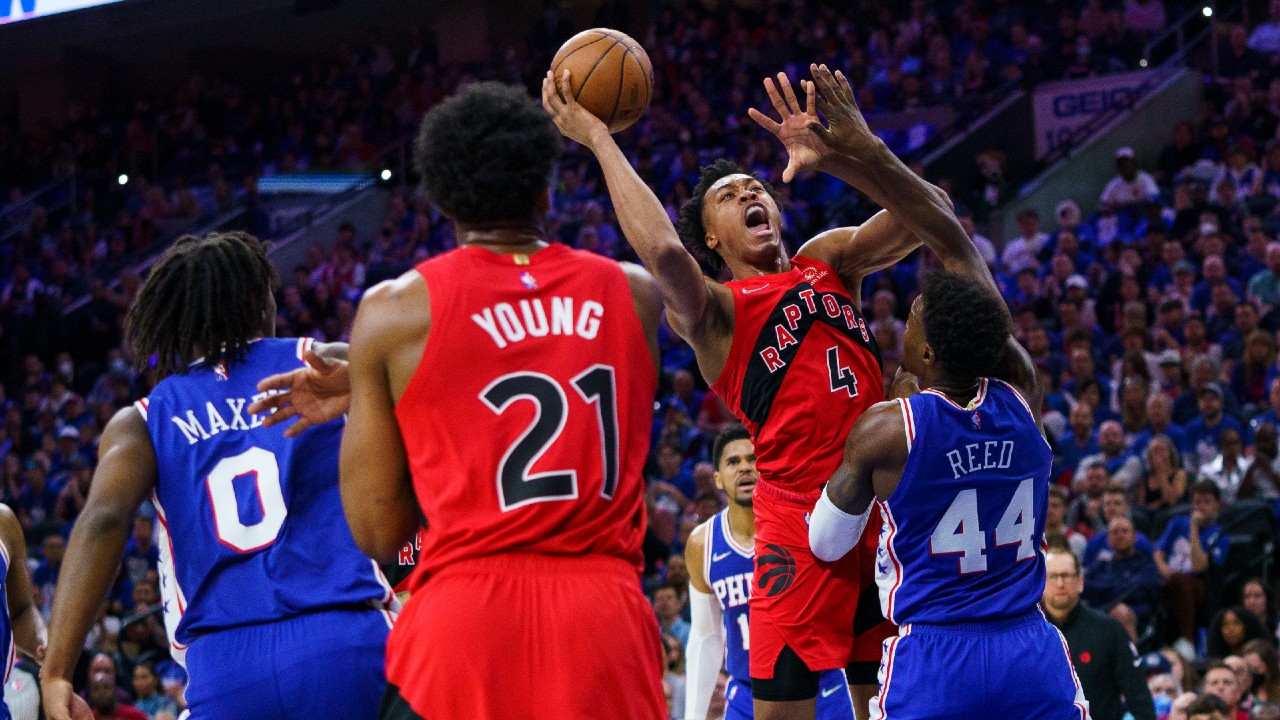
1171,533
1143,544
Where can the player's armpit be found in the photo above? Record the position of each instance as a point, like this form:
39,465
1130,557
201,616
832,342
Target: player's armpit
858,251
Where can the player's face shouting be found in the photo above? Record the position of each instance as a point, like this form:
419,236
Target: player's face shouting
742,219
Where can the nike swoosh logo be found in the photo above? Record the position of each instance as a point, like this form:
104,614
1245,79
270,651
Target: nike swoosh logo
830,691
745,291
718,558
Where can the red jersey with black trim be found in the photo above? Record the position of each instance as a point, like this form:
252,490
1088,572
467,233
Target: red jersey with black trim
527,421
802,368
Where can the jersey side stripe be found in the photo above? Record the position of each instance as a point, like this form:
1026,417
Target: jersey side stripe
142,406
908,422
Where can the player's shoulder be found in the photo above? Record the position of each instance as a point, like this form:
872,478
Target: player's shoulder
701,534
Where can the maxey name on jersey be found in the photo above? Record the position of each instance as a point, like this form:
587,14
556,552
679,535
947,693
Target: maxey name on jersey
219,418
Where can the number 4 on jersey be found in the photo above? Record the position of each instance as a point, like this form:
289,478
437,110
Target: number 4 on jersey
958,531
842,377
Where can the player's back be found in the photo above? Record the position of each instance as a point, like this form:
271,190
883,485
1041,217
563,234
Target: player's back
963,530
527,421
251,523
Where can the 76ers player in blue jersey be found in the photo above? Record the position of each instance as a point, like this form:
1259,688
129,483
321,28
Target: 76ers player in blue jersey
960,471
720,556
268,601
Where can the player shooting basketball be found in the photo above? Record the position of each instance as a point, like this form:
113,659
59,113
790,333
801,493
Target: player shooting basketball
786,347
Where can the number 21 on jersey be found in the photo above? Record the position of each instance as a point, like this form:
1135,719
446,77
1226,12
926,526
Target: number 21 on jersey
594,386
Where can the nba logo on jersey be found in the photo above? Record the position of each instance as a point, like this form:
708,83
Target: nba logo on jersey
529,282
977,421
220,370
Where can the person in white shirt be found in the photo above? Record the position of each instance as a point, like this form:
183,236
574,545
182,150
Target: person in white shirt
1021,251
1130,186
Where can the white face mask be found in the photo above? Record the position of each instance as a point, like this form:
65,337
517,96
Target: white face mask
66,369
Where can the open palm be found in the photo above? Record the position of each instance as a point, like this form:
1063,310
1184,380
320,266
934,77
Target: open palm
805,150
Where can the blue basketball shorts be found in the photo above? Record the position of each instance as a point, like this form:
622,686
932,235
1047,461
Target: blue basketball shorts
1015,669
326,665
834,702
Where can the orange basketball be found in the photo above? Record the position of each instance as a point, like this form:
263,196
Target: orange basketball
610,75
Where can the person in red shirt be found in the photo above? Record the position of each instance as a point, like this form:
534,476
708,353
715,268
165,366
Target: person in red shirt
787,348
102,699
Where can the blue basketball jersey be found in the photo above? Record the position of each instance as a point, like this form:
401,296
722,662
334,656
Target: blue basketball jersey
730,568
251,525
963,532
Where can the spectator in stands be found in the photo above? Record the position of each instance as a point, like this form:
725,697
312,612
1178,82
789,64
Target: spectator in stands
1183,151
1165,482
1085,513
1120,466
1055,522
146,688
102,699
1191,544
1204,433
72,498
1230,629
1255,596
1265,38
1131,187
1123,572
1115,505
1021,251
141,554
666,603
1260,655
1237,59
1227,470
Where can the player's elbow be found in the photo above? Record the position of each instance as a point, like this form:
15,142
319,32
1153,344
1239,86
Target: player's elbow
379,535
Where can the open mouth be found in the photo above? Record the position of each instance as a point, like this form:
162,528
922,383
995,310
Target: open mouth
747,483
757,219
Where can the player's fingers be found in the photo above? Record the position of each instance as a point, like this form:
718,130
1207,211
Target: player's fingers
547,93
775,98
270,402
297,428
279,416
789,172
281,381
822,77
565,87
810,96
788,93
816,128
321,365
764,121
846,87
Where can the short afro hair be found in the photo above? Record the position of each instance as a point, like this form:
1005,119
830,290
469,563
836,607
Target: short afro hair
966,324
726,436
485,154
692,232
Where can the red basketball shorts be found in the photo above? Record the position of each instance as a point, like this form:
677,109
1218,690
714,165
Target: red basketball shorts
517,636
828,613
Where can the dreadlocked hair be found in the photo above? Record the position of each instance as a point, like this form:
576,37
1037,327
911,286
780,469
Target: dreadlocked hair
205,297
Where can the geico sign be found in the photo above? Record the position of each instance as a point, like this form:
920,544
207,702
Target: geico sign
1092,102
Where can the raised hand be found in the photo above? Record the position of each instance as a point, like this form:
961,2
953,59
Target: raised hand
573,120
846,131
805,150
314,394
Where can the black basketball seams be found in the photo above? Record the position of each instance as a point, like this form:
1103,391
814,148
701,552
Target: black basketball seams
595,65
575,50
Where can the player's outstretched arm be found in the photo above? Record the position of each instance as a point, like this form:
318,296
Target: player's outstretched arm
125,474
316,393
377,492
686,292
29,635
874,456
705,652
863,160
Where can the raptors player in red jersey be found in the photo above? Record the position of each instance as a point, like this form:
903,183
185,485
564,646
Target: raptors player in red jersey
502,394
786,347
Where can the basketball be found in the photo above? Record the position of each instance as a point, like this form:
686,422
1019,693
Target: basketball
610,75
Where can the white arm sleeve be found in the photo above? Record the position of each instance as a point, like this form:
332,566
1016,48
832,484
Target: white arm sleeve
832,531
704,655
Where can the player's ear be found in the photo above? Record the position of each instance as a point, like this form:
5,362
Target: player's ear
928,355
711,240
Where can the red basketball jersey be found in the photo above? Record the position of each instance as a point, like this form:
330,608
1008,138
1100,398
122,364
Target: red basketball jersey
802,368
527,421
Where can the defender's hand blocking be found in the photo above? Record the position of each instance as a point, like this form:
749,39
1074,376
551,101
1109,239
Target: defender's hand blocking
574,121
314,394
796,131
847,131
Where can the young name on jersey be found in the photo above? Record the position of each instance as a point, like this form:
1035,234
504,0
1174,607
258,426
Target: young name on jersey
534,319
